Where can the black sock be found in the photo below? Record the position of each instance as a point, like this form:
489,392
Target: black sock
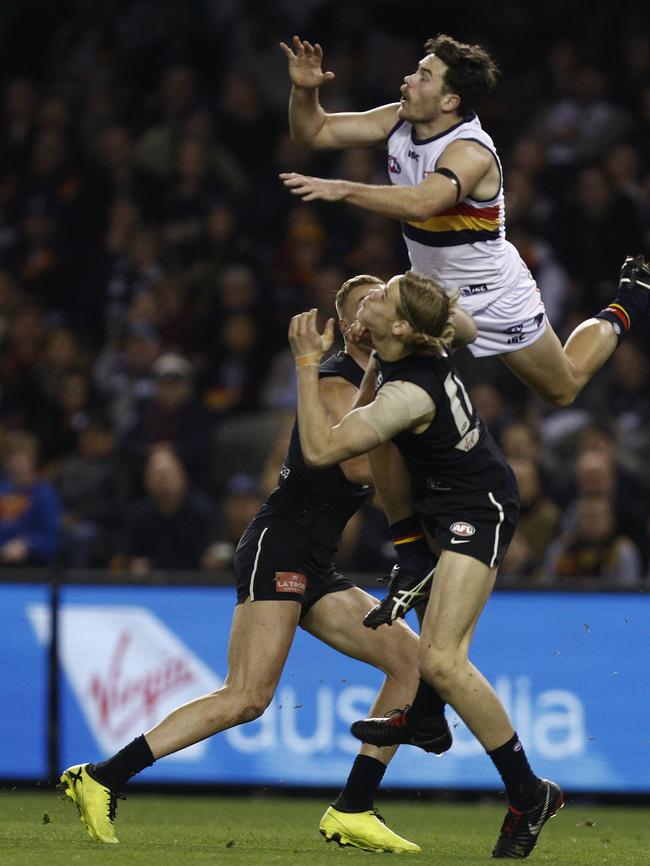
413,553
364,780
629,305
427,704
116,771
520,781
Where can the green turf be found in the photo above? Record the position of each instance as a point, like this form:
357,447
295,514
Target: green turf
187,831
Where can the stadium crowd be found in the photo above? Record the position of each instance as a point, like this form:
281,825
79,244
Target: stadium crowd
150,261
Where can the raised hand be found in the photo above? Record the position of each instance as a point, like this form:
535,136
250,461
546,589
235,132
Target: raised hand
305,339
305,64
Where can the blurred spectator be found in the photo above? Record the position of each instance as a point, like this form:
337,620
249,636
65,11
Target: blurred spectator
549,274
29,507
538,520
625,169
115,174
492,407
628,396
519,562
65,414
134,270
172,527
141,213
94,493
234,374
596,474
241,501
173,417
124,376
17,123
581,125
610,229
594,549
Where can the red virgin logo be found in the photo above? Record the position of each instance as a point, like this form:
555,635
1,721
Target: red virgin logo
123,698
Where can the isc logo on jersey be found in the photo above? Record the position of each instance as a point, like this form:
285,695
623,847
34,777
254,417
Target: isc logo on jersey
464,530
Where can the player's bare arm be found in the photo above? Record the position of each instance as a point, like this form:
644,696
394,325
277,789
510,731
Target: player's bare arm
309,124
321,444
338,398
469,162
362,429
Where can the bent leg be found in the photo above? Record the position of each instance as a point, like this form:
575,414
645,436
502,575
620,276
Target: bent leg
557,374
261,635
337,620
461,588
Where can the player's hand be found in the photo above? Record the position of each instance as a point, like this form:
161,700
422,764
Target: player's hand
305,64
312,188
305,338
359,334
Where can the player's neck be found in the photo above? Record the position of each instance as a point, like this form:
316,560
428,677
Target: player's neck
389,349
360,354
435,127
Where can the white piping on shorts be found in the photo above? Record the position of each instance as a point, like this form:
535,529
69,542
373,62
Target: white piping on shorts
496,534
251,591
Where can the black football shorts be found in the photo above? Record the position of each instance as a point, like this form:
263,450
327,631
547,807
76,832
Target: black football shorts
276,561
480,525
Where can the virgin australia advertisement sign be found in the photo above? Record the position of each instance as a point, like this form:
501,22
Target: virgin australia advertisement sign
569,669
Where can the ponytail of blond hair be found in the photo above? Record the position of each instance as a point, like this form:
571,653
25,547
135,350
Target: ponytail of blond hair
428,310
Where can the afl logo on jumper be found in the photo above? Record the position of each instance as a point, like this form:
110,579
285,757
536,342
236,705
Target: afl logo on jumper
393,165
463,529
290,581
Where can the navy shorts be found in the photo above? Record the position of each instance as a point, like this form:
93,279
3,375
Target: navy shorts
480,525
276,561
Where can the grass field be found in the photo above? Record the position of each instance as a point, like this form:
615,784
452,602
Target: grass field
40,828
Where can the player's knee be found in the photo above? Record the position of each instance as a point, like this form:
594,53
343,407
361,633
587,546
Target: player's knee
441,667
560,397
399,657
405,655
561,390
252,704
236,706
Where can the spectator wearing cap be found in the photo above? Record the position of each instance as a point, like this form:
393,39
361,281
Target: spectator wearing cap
172,416
29,507
172,526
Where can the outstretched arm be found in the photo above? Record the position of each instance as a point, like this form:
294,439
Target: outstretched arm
309,123
469,161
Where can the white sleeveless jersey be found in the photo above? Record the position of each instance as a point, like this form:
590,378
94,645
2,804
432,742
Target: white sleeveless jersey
464,247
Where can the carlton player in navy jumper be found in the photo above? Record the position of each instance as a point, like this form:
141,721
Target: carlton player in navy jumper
466,496
447,191
285,578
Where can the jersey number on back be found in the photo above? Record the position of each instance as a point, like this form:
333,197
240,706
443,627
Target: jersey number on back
462,412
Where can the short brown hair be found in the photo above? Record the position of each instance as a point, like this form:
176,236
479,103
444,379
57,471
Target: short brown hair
471,72
427,308
351,284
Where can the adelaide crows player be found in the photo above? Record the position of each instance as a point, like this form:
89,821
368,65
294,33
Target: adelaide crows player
446,188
